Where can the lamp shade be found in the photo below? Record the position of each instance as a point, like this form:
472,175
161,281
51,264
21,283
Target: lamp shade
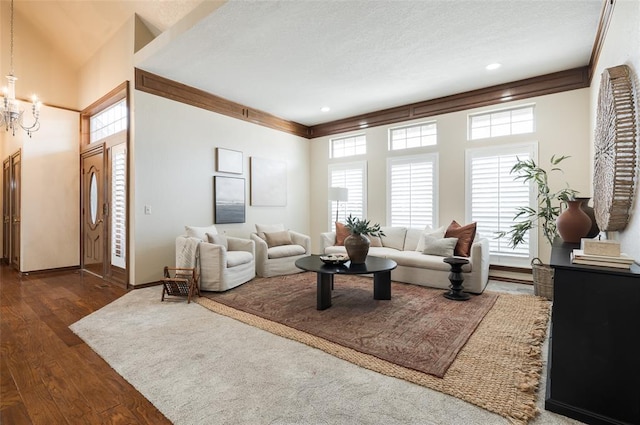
340,194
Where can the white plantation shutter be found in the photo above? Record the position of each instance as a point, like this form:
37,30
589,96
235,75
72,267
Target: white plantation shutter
412,186
118,205
494,197
353,176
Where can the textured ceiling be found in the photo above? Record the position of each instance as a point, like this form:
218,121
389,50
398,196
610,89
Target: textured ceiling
290,58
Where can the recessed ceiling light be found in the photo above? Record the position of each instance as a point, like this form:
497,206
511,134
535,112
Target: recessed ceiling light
325,109
493,66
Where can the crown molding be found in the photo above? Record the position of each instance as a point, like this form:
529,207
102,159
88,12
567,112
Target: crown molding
169,89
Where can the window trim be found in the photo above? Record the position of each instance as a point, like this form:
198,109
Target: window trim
503,149
436,187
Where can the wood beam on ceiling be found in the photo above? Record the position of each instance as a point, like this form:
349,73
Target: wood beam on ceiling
603,26
556,82
160,86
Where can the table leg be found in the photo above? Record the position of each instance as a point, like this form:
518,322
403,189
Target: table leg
382,286
324,285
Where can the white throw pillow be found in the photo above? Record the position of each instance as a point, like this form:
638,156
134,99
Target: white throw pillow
442,247
261,229
200,232
394,237
437,233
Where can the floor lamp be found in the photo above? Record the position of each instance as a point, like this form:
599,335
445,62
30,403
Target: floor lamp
338,194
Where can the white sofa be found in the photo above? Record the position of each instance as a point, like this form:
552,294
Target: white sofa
280,259
400,244
221,267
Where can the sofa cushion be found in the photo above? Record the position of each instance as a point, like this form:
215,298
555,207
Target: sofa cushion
394,237
236,258
218,240
283,251
335,249
442,247
436,233
465,235
277,238
261,229
412,238
382,251
428,262
341,233
374,241
200,232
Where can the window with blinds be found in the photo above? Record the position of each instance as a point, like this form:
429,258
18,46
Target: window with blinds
348,146
352,176
412,190
413,136
493,196
118,205
504,122
108,122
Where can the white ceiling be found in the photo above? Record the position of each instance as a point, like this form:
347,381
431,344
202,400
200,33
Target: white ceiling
290,58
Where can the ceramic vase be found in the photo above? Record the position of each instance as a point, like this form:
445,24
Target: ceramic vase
573,224
357,247
594,231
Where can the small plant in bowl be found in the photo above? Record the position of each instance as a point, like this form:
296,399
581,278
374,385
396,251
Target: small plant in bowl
361,226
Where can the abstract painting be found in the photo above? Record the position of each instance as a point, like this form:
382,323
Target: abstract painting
229,198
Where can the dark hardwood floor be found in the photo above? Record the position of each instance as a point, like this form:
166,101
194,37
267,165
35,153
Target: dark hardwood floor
48,375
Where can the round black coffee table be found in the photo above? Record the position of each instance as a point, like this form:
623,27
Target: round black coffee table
379,267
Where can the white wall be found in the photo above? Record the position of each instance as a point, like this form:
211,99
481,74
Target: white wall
562,122
622,46
175,164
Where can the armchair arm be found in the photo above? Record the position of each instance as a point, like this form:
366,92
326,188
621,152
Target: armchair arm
261,248
213,260
327,239
302,240
240,244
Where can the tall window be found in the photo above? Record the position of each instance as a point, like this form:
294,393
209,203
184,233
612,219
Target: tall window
352,176
348,146
412,190
493,196
413,136
119,205
502,123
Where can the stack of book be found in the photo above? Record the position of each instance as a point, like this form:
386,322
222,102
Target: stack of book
620,261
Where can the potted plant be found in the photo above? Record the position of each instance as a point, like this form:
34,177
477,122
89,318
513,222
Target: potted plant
545,216
357,243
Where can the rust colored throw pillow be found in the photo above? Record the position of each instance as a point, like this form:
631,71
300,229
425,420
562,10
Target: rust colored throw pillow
341,233
465,235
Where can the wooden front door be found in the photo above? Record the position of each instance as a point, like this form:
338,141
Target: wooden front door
6,212
93,212
14,202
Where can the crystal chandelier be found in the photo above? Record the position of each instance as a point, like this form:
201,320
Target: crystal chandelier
12,116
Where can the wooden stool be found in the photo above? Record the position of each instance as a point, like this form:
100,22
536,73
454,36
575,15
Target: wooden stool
183,283
455,277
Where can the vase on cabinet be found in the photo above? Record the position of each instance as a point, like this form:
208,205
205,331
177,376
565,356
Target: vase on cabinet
594,230
573,224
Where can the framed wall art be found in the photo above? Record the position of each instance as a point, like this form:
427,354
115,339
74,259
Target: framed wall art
228,161
268,182
229,200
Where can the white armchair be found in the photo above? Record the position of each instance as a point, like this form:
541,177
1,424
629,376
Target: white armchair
278,249
225,261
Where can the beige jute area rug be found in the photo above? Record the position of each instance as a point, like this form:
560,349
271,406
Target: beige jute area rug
498,369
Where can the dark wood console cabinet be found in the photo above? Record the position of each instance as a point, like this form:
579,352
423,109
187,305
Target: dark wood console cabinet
594,347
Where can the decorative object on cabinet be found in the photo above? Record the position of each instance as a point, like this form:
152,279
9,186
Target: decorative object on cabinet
584,206
268,182
228,161
229,199
544,216
616,148
573,224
